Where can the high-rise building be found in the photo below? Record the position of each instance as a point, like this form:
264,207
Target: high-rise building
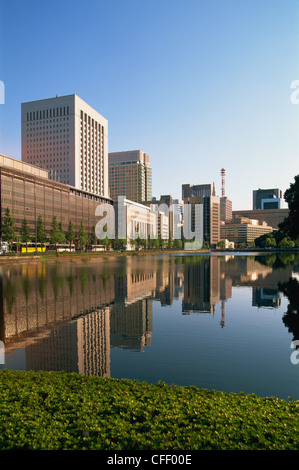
204,190
204,194
267,199
226,209
69,138
130,175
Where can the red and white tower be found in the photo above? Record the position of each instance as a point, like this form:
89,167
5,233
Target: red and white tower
222,182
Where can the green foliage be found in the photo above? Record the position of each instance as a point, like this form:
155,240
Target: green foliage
70,234
40,231
291,224
83,237
25,232
93,238
60,411
62,235
274,239
8,227
270,242
178,244
56,234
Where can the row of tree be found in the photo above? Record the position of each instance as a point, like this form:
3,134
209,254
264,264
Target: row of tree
57,235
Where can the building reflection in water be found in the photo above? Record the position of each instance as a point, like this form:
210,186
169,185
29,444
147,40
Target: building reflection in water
67,316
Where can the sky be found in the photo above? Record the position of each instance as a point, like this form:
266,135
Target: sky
200,85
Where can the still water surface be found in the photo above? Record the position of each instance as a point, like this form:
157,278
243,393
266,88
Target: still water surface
218,322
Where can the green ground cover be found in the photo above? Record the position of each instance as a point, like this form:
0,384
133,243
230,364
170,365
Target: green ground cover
60,411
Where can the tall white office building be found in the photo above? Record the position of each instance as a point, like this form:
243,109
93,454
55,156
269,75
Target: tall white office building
69,138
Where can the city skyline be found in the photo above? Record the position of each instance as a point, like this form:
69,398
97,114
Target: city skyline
201,86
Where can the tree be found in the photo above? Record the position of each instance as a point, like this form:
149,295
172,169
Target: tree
83,237
290,225
138,245
221,244
70,234
8,227
286,242
62,235
93,238
106,242
25,233
41,236
154,243
170,244
178,244
56,234
270,242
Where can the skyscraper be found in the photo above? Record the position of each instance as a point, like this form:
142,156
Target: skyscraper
204,194
130,175
69,138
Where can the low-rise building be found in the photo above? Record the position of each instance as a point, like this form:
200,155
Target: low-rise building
28,193
272,217
243,230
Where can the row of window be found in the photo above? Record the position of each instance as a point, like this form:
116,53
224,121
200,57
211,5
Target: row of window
48,113
85,119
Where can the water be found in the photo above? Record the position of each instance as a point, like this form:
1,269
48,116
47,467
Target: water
218,322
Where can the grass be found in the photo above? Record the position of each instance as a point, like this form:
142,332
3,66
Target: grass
67,411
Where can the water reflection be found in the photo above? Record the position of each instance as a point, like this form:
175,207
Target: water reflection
70,316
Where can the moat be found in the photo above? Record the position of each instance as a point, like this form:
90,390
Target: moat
217,322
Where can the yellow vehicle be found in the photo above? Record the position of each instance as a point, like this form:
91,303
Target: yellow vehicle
33,247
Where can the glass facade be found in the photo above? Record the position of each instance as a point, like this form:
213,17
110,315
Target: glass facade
28,196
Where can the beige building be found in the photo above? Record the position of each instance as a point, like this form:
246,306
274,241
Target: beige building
272,217
130,175
243,230
68,138
226,213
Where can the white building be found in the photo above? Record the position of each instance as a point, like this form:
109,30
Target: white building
134,220
69,138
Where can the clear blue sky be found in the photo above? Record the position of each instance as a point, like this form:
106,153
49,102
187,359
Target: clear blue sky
199,84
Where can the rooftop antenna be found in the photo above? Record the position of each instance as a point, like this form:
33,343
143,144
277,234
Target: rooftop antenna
222,182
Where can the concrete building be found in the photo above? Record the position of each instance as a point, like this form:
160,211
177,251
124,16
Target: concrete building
130,175
199,190
69,138
168,215
243,230
133,221
226,213
272,217
267,199
27,191
205,195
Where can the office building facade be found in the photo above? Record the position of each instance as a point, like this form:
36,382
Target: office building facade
211,217
272,217
28,193
267,199
226,209
243,230
67,137
204,194
198,190
130,175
